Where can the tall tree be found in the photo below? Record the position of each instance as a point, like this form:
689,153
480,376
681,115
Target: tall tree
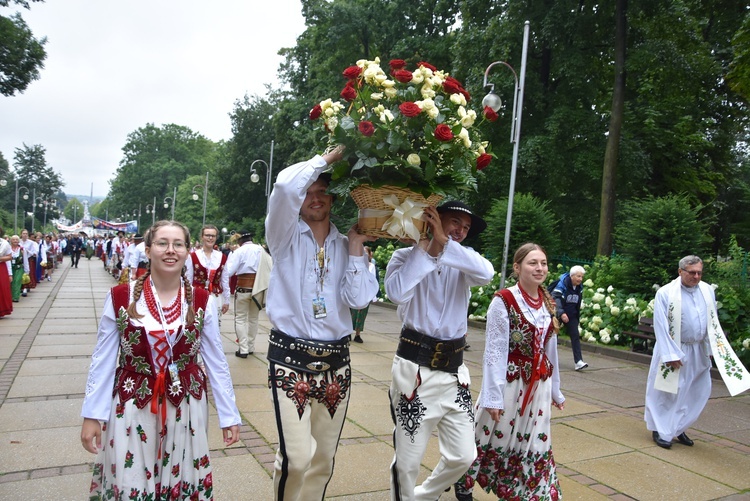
21,55
34,173
612,153
155,161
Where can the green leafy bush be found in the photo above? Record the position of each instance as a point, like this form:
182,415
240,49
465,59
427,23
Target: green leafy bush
654,235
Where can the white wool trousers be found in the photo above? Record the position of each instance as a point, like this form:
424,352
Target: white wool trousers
245,321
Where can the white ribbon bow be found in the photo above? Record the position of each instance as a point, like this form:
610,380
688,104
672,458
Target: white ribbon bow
401,222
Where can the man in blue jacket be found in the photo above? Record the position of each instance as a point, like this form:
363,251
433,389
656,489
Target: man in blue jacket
568,294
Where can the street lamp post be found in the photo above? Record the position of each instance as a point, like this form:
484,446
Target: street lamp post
15,210
205,197
166,204
254,177
493,101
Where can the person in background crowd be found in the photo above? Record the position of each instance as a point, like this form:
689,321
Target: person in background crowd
430,282
31,250
252,267
318,275
138,259
76,246
41,256
49,251
20,265
155,442
568,294
359,316
521,381
205,267
6,272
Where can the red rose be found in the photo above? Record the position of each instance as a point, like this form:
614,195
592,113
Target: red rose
443,133
483,161
352,72
426,65
349,93
409,109
397,64
366,128
403,76
490,114
452,86
315,112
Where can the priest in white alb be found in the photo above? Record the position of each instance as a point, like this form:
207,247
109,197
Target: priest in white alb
688,333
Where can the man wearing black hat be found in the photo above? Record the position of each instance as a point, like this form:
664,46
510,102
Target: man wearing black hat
430,282
252,265
137,258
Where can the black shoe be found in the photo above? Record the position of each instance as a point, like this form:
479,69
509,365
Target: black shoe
660,442
683,439
461,493
241,355
357,339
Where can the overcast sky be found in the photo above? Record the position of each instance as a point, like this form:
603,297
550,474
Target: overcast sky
113,67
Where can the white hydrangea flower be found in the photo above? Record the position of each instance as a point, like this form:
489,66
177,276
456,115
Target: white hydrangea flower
608,301
597,307
597,320
631,301
474,304
588,283
615,311
600,290
598,297
746,343
610,289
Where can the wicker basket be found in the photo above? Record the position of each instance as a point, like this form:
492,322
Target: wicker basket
367,197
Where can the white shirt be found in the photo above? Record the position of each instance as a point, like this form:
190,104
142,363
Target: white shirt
30,247
97,402
210,264
295,278
126,255
433,293
137,255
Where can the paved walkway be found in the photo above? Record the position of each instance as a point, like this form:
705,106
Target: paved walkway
600,441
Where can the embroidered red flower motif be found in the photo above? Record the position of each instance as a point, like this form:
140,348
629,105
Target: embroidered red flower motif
332,390
315,112
366,128
409,109
208,481
443,133
352,72
176,491
301,388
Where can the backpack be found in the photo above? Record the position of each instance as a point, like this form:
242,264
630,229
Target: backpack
551,287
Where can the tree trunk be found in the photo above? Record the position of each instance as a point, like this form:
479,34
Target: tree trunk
612,153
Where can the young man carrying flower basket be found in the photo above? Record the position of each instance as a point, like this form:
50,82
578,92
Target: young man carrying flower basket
409,141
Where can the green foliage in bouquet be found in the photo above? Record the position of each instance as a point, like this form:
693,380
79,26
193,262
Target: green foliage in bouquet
410,129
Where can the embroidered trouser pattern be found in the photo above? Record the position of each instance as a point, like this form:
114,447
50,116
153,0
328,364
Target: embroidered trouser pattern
310,412
438,403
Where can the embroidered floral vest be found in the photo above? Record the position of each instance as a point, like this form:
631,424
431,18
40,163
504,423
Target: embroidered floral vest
201,275
17,263
525,344
136,375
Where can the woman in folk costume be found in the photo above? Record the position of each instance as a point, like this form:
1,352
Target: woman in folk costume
20,265
153,443
521,382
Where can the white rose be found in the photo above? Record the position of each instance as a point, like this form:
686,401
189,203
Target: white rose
469,119
458,99
433,112
386,116
390,92
377,96
332,123
413,159
464,136
417,78
427,91
388,83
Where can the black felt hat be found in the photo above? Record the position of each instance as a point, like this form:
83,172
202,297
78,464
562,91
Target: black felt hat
478,224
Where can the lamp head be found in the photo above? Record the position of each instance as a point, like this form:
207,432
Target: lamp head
254,177
195,196
492,101
166,205
25,196
3,182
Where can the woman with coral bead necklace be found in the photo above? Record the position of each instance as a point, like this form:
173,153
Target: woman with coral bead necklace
521,382
153,443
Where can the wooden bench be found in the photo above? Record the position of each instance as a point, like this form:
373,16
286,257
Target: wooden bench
643,335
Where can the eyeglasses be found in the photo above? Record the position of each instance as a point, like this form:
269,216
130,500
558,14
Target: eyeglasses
208,235
177,245
693,273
